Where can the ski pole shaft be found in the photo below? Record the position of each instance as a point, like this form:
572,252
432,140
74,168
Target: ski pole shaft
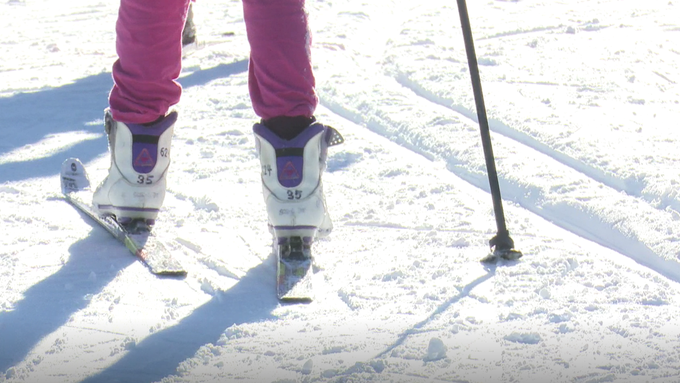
483,122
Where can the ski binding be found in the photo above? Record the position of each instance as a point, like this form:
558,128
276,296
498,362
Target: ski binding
294,269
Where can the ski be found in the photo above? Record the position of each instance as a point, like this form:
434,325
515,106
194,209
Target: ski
136,236
294,270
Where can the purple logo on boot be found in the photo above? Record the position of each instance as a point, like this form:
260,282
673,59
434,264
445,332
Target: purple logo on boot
289,172
144,160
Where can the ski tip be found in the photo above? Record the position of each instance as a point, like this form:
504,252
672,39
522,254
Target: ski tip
73,176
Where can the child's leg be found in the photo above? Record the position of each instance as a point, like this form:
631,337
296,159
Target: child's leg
149,46
281,79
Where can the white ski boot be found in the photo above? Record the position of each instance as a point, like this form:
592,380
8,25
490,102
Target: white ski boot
291,180
140,156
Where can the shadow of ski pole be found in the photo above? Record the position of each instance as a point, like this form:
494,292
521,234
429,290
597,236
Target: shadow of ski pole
464,292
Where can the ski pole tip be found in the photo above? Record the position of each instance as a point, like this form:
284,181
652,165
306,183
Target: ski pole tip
504,247
508,254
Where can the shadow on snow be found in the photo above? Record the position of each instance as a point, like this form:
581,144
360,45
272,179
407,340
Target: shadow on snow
464,293
49,304
252,299
30,117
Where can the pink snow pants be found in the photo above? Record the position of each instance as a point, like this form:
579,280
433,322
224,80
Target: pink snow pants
149,34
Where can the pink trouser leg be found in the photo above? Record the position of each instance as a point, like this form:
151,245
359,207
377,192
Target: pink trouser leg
149,46
281,81
150,56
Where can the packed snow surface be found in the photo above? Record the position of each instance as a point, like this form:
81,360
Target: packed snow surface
584,106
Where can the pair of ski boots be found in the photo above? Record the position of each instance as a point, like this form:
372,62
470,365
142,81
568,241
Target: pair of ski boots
134,189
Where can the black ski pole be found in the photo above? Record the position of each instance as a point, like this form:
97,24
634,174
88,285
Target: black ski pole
501,244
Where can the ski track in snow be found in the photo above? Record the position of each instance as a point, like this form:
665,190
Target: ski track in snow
601,228
584,139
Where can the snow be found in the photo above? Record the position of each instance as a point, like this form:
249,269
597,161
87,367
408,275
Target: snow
584,103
